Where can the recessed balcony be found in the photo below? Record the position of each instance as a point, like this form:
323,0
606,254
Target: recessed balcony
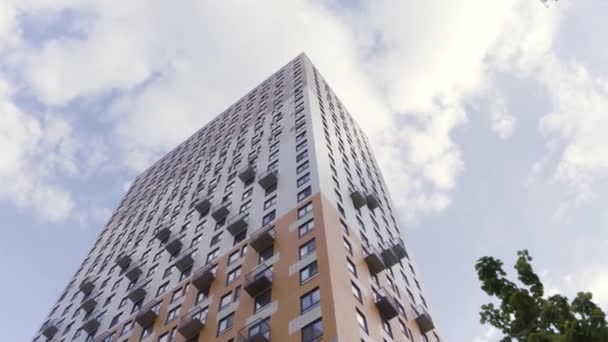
247,173
237,223
92,321
398,248
262,238
134,271
185,259
389,257
372,201
148,314
424,320
358,198
192,323
220,211
268,179
204,277
203,206
89,302
138,291
124,260
87,286
258,280
386,303
373,258
258,331
50,328
174,245
163,233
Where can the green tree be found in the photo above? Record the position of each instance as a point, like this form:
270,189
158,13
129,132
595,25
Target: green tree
525,314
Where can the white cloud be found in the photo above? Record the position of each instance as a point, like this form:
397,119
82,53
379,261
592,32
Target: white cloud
501,121
592,278
490,334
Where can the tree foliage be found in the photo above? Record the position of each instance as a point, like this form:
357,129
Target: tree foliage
526,315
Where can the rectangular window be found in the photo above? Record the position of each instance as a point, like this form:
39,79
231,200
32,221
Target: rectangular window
225,324
232,258
270,202
262,300
307,248
233,275
302,167
305,228
225,301
362,321
302,195
310,300
313,332
304,179
171,315
308,272
268,217
304,210
351,267
301,156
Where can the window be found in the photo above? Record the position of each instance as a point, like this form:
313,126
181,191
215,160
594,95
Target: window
232,275
356,292
362,321
212,255
162,288
225,301
351,267
270,202
247,193
305,228
177,294
307,248
308,272
304,179
232,258
262,300
115,319
216,239
127,327
201,296
310,300
172,314
302,167
348,246
304,210
304,193
225,324
301,156
268,217
313,331
164,338
387,327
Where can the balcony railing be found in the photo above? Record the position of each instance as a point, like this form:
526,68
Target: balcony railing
358,197
203,206
185,259
51,328
138,291
175,244
258,280
204,277
398,248
386,303
87,285
262,239
258,331
268,179
424,320
237,223
148,314
391,253
124,260
372,201
193,322
89,302
92,321
373,258
163,233
220,211
134,271
247,173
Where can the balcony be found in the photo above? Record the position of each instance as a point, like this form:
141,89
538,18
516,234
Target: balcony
373,258
51,328
390,259
124,260
203,206
268,179
147,314
163,233
92,321
192,323
424,320
220,211
258,280
138,291
89,302
393,252
237,223
258,331
358,198
372,201
387,305
87,286
262,239
247,173
134,271
398,248
185,259
174,245
204,277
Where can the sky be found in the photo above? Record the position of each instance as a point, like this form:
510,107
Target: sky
488,119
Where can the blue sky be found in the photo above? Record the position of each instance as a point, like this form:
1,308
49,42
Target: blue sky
488,120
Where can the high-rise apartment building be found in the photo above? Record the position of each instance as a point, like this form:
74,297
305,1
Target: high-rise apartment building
271,223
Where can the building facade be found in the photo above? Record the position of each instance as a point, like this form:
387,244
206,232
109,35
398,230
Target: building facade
271,223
